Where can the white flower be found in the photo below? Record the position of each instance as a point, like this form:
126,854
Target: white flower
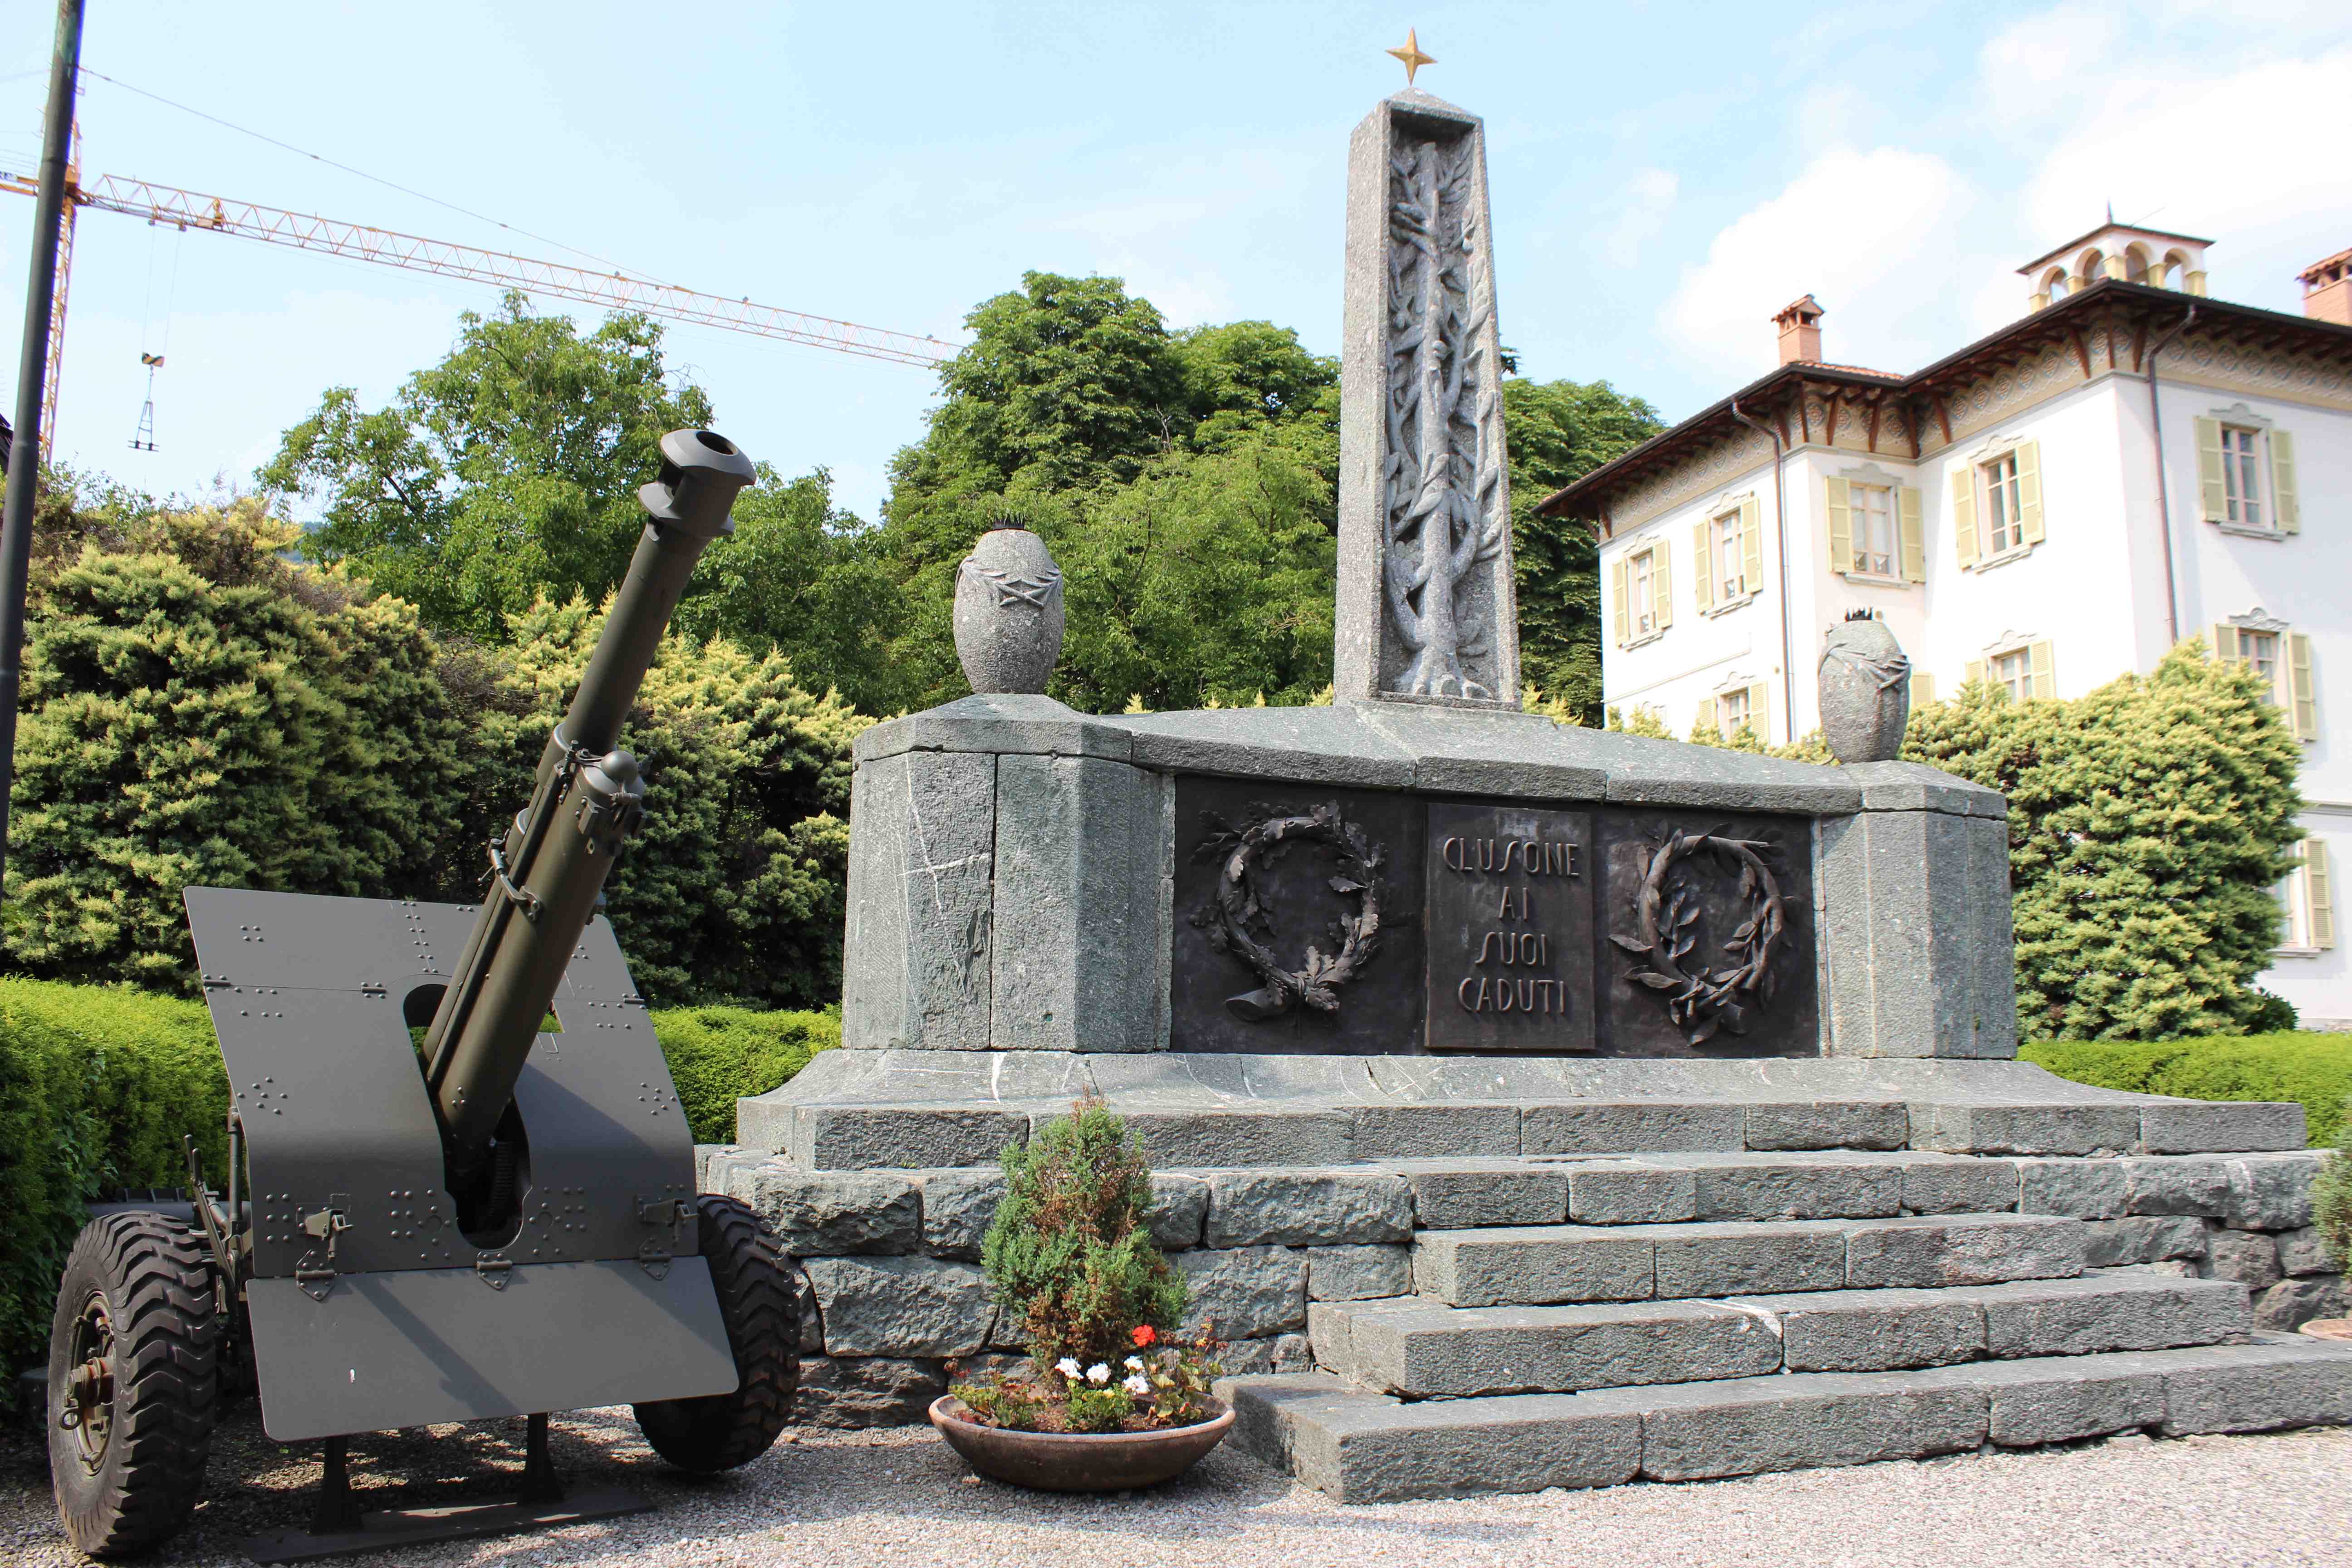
1067,1366
1138,1384
1135,1363
1098,1374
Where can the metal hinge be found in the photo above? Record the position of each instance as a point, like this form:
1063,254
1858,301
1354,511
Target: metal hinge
494,1269
655,1255
314,1274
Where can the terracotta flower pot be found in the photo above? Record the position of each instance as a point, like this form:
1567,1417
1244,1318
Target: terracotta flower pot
1077,1462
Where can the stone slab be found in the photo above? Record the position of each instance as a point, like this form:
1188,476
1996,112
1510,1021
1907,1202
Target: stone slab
1531,1265
1258,1207
1441,1351
1962,1249
1828,1124
1740,1257
2202,1126
1450,1195
1872,1330
2101,1313
900,1307
1417,1132
1242,1293
1630,1127
1795,1188
867,1390
2082,1189
1959,1184
1000,723
2273,1192
1359,1273
1632,1192
1748,1426
2177,1184
823,1213
2141,1239
2277,1380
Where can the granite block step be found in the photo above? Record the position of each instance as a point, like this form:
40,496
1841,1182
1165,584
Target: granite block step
1362,1446
1532,1265
1422,1350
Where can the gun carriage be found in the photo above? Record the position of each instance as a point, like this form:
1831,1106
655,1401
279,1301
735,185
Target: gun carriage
500,1221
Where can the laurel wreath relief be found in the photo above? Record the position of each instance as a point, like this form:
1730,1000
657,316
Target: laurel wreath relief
1704,1001
1237,919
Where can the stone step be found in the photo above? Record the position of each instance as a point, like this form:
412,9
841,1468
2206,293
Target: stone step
1533,1266
1362,1446
1422,1350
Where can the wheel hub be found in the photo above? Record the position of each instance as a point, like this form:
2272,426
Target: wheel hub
87,1408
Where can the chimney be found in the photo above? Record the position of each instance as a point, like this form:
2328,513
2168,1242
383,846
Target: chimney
1801,331
2327,290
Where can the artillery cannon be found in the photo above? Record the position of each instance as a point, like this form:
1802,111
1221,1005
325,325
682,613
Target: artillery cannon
500,1222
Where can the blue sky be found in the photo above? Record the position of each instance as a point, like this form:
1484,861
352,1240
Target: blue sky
1663,177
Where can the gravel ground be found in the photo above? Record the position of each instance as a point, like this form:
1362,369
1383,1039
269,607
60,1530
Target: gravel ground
900,1498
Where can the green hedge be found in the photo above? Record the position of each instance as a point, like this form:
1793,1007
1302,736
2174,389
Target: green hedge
2312,1067
718,1053
97,1084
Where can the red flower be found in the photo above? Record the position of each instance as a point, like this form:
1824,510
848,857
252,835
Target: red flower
1145,1334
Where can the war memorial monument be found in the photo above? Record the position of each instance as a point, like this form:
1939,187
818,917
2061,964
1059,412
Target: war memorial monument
1532,1105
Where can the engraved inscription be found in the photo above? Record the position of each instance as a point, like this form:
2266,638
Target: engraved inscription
1509,959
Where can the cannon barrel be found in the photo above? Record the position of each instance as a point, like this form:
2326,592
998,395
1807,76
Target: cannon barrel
549,869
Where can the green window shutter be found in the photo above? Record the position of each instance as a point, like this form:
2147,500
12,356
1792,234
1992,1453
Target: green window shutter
2225,642
1975,671
2284,505
2029,491
1752,549
1703,566
1759,711
1923,689
2301,701
1964,513
1662,588
2045,670
1841,526
2319,902
1617,595
2214,496
1915,538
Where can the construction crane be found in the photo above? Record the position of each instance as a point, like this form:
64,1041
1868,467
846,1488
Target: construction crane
385,247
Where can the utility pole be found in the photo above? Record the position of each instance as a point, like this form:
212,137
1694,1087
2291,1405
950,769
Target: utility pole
24,447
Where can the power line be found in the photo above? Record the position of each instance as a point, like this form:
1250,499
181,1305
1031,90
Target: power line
363,173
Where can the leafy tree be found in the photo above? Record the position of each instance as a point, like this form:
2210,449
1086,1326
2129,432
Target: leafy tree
1558,431
1208,579
803,578
507,471
1075,408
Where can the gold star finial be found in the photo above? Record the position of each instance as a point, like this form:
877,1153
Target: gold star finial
1411,56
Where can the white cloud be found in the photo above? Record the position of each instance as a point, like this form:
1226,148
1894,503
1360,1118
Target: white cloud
1870,235
2253,159
2035,65
1643,205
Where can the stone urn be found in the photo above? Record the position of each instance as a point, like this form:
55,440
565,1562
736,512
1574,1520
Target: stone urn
1008,611
1866,691
1077,1462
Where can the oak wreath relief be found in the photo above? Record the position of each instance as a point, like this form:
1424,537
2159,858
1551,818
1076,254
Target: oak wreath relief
1704,1001
1238,920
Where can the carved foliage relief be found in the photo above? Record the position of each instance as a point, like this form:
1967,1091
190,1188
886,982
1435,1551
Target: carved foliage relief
1445,511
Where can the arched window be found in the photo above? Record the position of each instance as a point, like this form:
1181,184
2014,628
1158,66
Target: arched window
2054,285
2136,266
2091,267
2173,271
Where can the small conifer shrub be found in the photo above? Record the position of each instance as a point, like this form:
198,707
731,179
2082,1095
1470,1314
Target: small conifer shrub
1070,1256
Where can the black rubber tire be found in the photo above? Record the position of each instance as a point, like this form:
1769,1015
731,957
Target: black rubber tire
153,1278
760,1307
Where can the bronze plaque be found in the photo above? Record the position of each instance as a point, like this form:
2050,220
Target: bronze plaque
1706,940
1297,919
1509,928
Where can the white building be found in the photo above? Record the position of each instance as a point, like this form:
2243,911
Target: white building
2127,464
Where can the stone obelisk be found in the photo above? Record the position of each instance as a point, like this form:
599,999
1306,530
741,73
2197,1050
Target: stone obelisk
1427,612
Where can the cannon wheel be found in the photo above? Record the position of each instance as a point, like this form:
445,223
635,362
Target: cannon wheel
761,1311
134,1376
